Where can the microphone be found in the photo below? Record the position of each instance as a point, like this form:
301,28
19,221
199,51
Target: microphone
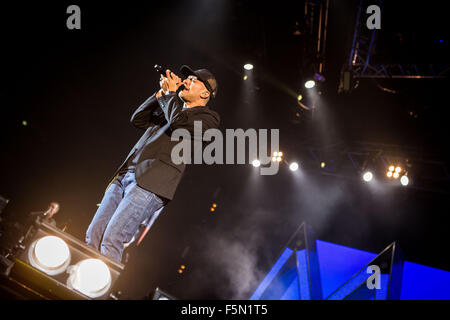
160,70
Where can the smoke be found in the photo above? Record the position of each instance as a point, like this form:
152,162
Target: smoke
244,255
236,254
318,201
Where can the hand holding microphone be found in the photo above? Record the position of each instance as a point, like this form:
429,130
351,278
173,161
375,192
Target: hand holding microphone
168,82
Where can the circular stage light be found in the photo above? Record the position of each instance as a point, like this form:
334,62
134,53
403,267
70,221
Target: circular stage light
404,180
293,166
389,174
396,175
310,84
391,168
90,277
49,254
248,66
256,163
368,176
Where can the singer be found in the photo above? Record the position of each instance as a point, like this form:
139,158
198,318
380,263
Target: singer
146,181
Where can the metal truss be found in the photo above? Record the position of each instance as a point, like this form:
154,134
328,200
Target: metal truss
350,160
359,64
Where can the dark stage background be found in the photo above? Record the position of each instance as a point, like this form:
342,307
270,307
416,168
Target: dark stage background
77,89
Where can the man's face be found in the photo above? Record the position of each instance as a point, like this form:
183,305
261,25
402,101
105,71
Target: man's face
193,89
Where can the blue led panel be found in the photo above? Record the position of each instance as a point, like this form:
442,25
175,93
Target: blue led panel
287,280
338,263
424,283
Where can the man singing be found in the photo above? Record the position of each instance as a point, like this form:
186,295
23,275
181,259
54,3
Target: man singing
148,178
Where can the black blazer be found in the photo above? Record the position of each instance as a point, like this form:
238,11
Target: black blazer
155,170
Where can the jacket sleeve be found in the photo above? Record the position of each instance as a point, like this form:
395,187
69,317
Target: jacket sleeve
179,118
143,116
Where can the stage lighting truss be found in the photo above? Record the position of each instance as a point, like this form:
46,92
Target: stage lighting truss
349,160
59,266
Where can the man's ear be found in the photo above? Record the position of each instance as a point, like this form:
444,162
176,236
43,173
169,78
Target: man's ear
205,94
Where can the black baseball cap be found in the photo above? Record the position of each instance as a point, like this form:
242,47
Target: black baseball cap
204,76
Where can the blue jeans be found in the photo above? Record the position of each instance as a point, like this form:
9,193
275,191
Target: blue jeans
124,207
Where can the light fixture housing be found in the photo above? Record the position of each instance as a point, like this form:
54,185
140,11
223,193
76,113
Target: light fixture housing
28,272
90,277
49,254
161,295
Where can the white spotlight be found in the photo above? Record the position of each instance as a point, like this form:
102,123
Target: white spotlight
248,66
368,176
49,254
256,163
90,277
293,166
404,180
310,84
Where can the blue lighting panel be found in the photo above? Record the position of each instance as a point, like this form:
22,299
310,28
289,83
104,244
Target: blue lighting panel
382,293
424,283
292,292
272,274
302,274
338,264
283,284
350,286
